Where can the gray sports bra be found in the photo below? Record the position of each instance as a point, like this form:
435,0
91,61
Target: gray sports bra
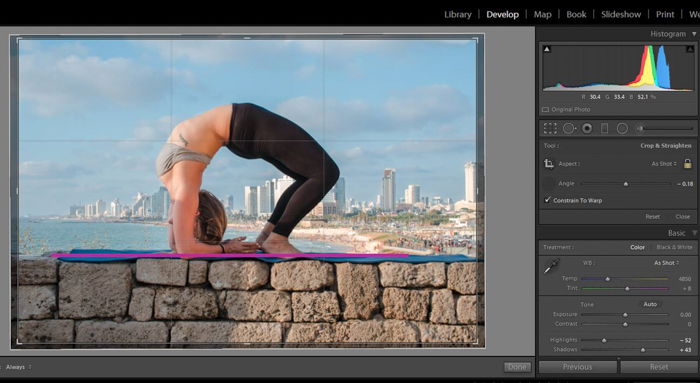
171,154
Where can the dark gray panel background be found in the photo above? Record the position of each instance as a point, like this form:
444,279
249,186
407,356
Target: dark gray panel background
509,182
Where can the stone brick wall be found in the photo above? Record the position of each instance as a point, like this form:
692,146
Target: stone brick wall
171,303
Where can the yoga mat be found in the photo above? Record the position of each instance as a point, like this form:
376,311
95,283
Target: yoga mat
103,255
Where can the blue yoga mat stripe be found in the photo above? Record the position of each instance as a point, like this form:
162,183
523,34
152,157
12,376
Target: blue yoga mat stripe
410,259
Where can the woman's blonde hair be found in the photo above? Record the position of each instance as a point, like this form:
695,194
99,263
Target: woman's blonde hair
211,221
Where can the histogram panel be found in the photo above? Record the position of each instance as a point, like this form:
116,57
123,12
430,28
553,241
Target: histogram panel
618,68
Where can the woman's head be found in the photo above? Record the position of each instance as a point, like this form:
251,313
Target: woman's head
211,221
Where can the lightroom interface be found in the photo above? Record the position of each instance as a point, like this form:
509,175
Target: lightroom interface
447,192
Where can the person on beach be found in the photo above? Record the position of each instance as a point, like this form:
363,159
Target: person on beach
198,219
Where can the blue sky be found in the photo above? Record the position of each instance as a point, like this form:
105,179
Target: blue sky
95,113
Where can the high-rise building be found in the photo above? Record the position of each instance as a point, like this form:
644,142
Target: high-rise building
160,203
263,197
229,202
281,184
437,200
115,208
250,195
270,185
412,194
166,206
89,210
323,209
142,205
470,181
388,201
339,192
75,211
330,196
100,208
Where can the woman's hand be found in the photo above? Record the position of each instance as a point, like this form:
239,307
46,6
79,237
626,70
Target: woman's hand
236,245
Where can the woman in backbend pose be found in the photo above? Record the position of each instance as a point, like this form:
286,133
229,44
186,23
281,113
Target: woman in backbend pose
198,219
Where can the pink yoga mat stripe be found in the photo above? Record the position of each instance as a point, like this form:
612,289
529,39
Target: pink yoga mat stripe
171,255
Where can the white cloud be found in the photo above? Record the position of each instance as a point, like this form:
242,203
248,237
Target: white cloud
214,51
264,52
430,103
308,112
68,78
438,110
307,71
149,132
50,169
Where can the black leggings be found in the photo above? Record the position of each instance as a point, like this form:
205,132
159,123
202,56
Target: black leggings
259,133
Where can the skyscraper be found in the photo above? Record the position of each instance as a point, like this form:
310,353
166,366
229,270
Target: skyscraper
250,195
159,207
263,197
412,194
281,184
89,208
339,189
75,211
270,185
330,196
100,208
388,202
470,181
115,208
229,202
142,206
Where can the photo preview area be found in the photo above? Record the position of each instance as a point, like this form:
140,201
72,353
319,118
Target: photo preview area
393,252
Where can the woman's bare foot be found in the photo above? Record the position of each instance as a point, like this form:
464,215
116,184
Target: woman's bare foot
278,244
264,233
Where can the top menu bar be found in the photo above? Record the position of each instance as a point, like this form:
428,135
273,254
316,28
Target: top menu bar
423,14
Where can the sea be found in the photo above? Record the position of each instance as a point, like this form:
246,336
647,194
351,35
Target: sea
39,236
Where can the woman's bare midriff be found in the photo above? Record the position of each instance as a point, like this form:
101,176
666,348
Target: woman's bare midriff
205,133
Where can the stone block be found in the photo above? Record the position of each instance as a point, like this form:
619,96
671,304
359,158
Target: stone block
238,275
169,272
470,309
321,306
185,303
36,301
37,270
466,277
376,331
109,334
310,333
88,290
198,272
406,304
264,305
442,307
250,332
141,306
358,287
448,334
201,334
397,274
302,275
51,333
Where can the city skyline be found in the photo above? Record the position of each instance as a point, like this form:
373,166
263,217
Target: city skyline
260,200
94,113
